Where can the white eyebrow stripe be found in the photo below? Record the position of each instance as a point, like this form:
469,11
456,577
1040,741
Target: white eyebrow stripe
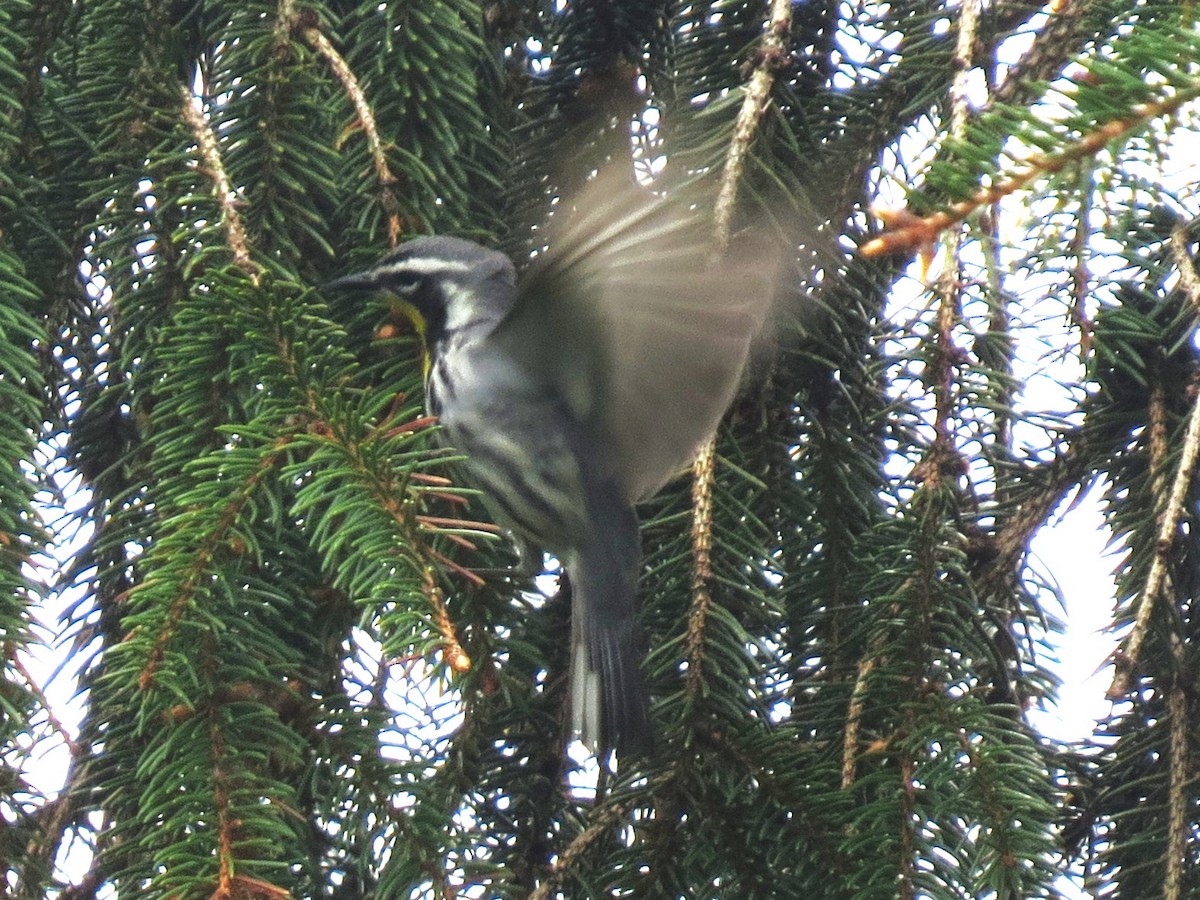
424,265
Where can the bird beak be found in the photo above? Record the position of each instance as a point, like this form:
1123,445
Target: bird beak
359,281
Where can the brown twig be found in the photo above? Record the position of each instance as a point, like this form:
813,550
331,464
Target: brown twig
456,657
854,713
606,818
200,559
43,701
1181,791
1081,277
946,355
754,103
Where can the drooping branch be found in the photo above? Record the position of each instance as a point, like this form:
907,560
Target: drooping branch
1126,659
754,105
210,157
306,24
212,165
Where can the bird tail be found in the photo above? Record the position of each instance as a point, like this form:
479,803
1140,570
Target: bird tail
610,708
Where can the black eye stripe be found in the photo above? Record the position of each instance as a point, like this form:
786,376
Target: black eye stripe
404,281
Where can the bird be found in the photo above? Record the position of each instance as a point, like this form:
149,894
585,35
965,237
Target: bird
577,388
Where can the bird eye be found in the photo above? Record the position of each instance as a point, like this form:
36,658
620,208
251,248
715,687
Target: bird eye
404,283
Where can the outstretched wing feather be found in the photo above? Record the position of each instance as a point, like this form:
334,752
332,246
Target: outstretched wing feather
631,314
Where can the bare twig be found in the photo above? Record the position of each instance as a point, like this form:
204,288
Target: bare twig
1081,277
1181,790
866,666
456,657
754,104
703,477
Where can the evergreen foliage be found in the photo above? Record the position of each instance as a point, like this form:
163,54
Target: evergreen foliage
309,667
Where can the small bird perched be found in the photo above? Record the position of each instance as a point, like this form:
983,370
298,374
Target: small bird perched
580,389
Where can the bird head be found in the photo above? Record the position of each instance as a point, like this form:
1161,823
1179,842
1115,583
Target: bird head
441,284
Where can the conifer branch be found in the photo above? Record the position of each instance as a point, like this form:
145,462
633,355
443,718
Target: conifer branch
602,822
754,104
306,23
211,157
913,232
1061,36
1126,658
1002,553
201,557
211,164
389,497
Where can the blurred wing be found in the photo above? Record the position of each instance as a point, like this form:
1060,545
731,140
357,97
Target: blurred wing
647,333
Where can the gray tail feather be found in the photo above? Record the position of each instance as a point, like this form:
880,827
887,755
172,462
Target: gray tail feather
610,709
609,706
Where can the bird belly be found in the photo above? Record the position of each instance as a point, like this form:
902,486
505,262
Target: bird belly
520,444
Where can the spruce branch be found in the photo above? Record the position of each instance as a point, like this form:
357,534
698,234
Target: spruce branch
1181,790
913,232
754,104
1178,794
210,155
602,822
305,23
211,164
432,864
943,455
1068,26
208,545
389,497
1126,658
